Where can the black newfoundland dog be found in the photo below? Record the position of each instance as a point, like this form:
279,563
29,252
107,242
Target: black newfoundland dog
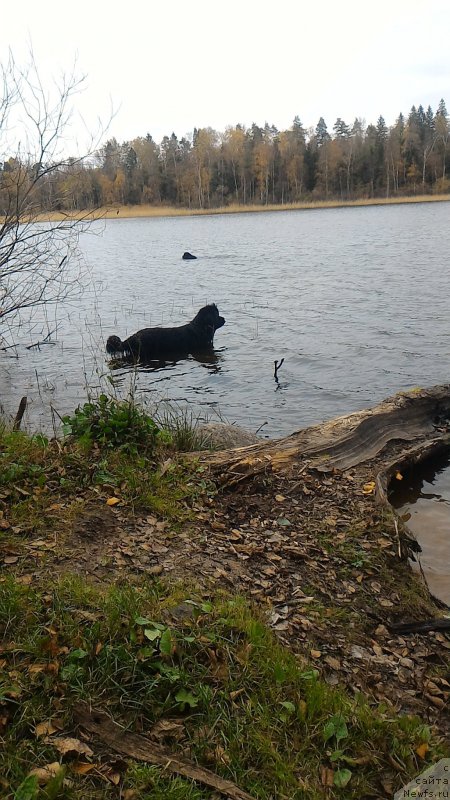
151,344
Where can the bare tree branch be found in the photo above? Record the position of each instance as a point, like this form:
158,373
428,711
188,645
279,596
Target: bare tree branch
40,261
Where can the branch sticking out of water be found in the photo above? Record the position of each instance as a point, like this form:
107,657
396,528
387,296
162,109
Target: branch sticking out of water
44,341
20,412
277,367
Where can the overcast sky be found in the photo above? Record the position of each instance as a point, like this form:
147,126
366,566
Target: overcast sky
178,64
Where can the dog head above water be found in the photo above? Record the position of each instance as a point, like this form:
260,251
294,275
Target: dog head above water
155,343
209,319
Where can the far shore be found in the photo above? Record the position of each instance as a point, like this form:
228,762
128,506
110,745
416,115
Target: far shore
129,212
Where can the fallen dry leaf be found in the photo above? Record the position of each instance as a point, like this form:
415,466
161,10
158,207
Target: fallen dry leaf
165,466
326,776
24,580
334,663
422,750
438,702
67,744
35,669
10,559
84,768
112,501
167,728
114,777
384,542
45,774
45,728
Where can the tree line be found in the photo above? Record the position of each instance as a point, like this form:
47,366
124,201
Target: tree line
255,165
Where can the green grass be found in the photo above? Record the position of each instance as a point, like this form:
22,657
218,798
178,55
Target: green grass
182,425
247,708
111,450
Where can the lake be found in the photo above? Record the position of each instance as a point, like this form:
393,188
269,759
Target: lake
356,301
422,498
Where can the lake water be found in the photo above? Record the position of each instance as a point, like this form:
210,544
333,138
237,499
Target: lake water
355,300
422,499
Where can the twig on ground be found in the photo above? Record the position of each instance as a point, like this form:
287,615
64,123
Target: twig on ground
142,749
399,544
439,624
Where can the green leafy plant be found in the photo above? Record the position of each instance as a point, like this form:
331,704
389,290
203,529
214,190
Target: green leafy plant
186,699
342,778
336,728
112,423
28,789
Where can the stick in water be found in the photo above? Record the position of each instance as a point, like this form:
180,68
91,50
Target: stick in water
20,412
277,367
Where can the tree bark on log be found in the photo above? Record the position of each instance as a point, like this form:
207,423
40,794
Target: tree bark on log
416,421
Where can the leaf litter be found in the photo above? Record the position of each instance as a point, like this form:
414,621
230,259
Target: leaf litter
327,570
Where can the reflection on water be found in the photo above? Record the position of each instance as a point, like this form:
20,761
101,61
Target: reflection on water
209,359
422,499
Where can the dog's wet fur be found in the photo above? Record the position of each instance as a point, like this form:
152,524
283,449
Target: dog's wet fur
158,343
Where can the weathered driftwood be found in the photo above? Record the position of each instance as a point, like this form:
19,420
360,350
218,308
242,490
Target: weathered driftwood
425,626
417,420
142,749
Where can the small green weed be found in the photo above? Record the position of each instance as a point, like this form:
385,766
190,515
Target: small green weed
182,426
113,423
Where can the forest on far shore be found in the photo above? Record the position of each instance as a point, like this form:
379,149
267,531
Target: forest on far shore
255,165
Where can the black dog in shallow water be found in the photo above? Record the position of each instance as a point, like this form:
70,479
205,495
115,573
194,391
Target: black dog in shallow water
157,343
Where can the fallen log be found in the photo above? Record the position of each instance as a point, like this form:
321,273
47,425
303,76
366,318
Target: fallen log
419,420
